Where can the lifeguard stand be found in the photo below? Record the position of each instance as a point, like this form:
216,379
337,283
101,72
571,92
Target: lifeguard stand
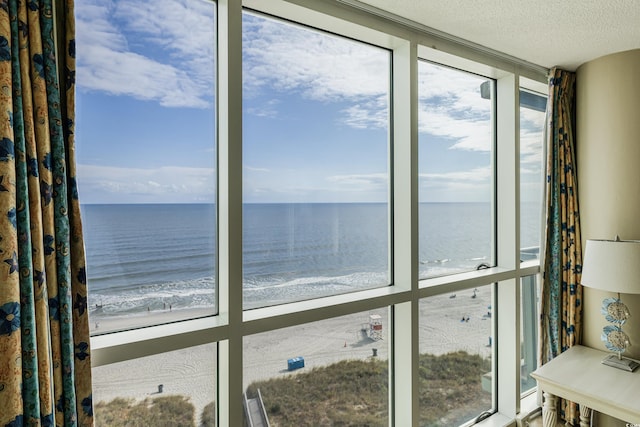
375,327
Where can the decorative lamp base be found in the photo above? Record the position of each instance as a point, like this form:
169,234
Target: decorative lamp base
622,363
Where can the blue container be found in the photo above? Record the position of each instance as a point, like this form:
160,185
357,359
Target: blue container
295,363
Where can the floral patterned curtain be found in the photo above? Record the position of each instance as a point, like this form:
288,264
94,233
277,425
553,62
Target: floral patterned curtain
45,364
561,303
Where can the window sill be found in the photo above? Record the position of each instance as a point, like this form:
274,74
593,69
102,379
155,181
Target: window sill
282,315
497,420
119,346
529,408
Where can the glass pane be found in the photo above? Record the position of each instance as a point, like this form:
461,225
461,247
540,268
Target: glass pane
532,120
456,170
334,372
176,388
146,159
456,351
315,155
529,331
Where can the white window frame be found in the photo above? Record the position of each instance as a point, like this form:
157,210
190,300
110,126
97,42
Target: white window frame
407,41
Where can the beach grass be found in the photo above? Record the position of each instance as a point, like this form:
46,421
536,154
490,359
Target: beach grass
355,392
450,388
347,393
162,411
208,416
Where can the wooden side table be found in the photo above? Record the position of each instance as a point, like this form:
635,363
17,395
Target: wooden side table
578,375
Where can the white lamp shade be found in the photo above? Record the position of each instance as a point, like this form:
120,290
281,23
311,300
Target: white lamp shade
612,265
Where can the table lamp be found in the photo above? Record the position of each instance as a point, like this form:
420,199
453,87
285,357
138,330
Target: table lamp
613,266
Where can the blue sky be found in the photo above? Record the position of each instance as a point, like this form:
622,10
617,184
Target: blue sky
315,113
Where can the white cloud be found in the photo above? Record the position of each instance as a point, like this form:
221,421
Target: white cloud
466,134
256,169
298,186
168,184
482,174
532,118
531,141
451,106
151,50
456,90
469,186
361,181
531,149
265,109
369,114
320,67
184,27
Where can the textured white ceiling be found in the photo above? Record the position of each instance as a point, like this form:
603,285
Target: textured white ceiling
564,33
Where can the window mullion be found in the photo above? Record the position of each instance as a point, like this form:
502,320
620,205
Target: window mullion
230,209
404,372
508,245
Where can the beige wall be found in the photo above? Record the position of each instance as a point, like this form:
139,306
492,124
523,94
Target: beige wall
608,162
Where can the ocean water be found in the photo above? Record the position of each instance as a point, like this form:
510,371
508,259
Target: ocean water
150,257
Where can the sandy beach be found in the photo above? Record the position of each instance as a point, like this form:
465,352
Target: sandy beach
101,323
447,324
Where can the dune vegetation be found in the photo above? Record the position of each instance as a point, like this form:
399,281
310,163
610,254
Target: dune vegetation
348,393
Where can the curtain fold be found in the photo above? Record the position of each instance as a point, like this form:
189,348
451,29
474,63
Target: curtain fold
561,301
45,363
